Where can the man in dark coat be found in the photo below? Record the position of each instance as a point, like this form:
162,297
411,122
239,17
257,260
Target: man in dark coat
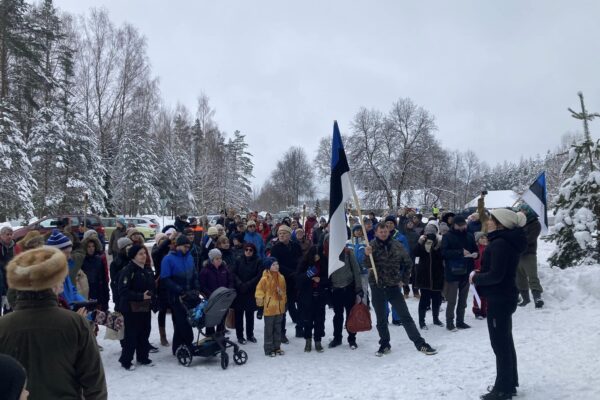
288,254
459,250
246,271
56,346
119,232
527,275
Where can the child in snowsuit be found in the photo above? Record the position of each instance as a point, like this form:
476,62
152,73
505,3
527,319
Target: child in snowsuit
271,301
482,241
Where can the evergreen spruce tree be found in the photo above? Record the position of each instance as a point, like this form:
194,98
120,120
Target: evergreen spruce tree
578,204
317,208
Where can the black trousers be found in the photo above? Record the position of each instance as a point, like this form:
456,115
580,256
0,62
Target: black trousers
182,330
433,296
293,309
343,299
240,313
137,332
499,320
312,306
393,294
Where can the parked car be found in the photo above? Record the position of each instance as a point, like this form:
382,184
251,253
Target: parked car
145,222
110,224
154,220
47,224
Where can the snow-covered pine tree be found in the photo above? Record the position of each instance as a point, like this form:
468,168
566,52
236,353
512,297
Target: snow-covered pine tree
578,204
16,182
238,171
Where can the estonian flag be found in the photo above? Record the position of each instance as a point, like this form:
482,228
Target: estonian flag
535,196
340,190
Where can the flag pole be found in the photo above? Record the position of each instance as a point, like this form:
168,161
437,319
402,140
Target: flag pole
362,224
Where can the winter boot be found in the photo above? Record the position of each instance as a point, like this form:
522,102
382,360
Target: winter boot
524,298
163,336
308,346
422,324
335,343
436,321
318,346
537,299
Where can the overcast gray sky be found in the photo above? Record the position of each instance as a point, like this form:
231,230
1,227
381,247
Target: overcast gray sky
497,75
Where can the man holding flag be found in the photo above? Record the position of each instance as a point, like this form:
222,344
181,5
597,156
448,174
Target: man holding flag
535,209
388,262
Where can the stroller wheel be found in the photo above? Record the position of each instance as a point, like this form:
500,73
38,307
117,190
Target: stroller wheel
240,357
224,360
184,355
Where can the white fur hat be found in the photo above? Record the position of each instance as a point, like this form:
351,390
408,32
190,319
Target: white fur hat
37,269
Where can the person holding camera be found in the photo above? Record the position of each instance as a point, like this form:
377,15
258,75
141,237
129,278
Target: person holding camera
136,295
429,274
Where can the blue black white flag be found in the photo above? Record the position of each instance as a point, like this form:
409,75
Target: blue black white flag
340,191
535,197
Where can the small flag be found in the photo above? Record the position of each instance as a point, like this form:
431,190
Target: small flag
535,197
340,190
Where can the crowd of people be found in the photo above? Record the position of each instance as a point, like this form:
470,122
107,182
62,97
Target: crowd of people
277,268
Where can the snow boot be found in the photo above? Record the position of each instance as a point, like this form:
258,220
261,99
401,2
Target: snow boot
383,350
462,325
318,346
450,326
436,321
308,346
537,299
422,324
335,343
163,336
352,344
524,298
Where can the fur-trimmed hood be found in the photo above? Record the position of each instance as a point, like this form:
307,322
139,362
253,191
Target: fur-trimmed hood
37,269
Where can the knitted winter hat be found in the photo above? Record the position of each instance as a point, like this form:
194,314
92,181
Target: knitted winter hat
212,231
122,221
133,250
37,269
284,228
460,220
131,232
430,229
391,218
13,377
58,240
508,218
88,233
123,242
251,223
160,236
214,253
356,227
444,228
183,241
268,261
479,235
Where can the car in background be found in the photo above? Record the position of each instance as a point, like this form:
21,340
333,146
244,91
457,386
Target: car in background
47,224
110,224
154,220
145,222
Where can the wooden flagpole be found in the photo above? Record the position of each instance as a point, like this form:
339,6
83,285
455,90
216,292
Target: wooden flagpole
362,224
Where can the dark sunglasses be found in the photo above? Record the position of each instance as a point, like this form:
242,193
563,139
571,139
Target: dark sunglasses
249,249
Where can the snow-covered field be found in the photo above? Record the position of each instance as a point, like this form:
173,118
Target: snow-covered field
557,350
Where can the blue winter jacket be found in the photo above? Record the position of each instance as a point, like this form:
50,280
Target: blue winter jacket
397,235
256,239
70,293
178,274
358,245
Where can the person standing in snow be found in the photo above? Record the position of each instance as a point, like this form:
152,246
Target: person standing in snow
246,271
429,274
459,251
271,301
496,281
252,236
527,274
393,268
480,311
119,232
358,244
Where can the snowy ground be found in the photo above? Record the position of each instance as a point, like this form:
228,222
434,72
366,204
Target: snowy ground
557,350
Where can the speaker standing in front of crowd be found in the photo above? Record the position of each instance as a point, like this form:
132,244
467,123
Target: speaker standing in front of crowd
496,281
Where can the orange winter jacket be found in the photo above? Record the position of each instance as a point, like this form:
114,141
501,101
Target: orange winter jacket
270,293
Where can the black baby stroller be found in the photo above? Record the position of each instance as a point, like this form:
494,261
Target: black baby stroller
210,313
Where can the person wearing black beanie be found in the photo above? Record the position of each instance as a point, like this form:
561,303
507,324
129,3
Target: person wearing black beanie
13,379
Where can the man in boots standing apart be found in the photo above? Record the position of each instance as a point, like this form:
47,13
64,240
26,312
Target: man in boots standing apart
527,274
393,266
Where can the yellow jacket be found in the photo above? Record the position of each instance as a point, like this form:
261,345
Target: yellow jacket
270,293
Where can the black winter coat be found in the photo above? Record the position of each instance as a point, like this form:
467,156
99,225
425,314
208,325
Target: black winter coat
288,256
133,282
500,262
429,271
457,266
412,238
117,265
96,276
246,273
